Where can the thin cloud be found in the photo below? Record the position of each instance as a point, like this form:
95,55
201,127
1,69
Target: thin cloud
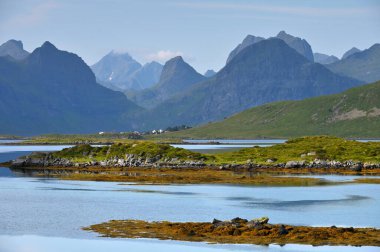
313,11
33,16
163,55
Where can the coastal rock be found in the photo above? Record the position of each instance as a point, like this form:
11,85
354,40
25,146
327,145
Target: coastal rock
357,167
292,164
282,230
236,232
262,220
239,220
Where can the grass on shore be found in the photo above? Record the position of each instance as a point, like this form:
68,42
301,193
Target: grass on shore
142,149
306,148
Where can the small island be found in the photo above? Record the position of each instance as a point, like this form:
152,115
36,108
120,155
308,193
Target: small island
257,231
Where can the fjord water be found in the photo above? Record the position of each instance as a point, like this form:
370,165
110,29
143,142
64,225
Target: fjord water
39,214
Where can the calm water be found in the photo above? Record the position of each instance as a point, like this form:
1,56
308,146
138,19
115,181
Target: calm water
237,141
39,214
2,141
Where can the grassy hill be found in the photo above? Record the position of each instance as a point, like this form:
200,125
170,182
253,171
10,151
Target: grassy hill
353,113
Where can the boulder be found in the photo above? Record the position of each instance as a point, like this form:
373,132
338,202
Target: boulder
291,164
262,220
255,225
357,167
238,220
282,230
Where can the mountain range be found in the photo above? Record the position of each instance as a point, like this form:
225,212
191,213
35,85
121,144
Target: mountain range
298,44
119,71
362,65
53,91
353,113
263,72
177,77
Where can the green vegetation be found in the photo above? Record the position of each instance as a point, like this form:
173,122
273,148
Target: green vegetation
354,113
143,149
164,164
308,149
305,148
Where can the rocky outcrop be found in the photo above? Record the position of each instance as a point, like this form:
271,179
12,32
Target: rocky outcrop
316,163
129,160
46,160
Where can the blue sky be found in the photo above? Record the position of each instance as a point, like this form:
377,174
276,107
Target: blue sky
203,32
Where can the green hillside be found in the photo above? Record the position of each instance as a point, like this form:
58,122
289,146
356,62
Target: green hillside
353,113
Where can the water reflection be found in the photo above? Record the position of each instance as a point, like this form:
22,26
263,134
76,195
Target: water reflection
301,204
30,243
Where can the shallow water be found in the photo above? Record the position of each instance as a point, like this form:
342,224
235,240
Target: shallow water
38,214
2,141
237,141
33,243
30,148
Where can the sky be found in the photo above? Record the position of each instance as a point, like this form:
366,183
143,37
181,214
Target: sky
203,32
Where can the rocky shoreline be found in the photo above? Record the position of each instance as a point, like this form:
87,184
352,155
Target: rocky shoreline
46,159
238,230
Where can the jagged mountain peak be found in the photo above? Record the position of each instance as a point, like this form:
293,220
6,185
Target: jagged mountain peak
176,59
350,52
177,68
177,76
16,43
48,45
247,41
13,48
298,44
